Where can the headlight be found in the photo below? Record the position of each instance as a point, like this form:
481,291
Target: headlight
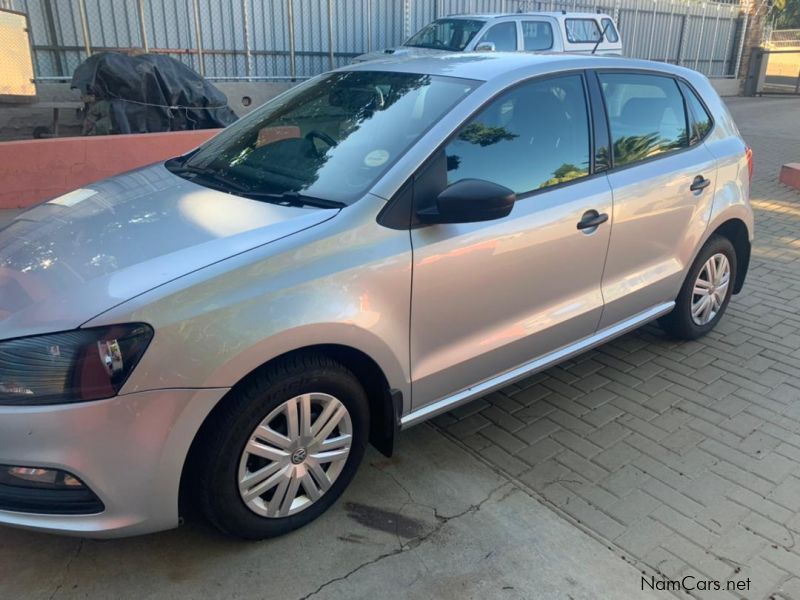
75,366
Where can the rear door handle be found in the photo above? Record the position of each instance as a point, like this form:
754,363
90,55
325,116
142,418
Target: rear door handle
699,183
591,218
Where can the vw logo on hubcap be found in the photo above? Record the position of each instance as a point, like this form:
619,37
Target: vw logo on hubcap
299,455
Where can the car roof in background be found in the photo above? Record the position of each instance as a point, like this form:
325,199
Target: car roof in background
543,13
489,66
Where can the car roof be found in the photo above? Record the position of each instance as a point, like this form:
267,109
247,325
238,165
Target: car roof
552,13
501,66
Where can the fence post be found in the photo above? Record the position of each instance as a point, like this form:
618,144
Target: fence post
700,37
85,27
248,55
292,57
741,46
713,46
668,45
652,30
369,25
142,29
198,35
678,56
330,34
635,28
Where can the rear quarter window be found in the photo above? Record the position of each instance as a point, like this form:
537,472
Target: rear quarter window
699,117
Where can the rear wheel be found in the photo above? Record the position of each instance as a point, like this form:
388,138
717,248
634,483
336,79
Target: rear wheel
705,293
286,448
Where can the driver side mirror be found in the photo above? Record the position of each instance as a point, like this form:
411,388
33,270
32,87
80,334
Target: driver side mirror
470,201
485,47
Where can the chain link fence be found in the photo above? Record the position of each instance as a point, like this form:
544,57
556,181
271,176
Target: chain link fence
294,39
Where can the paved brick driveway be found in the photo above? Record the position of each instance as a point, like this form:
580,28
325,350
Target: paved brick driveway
684,457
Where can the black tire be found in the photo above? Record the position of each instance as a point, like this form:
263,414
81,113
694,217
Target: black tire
679,323
243,411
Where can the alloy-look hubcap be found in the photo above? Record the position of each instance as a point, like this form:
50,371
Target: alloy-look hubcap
710,289
295,454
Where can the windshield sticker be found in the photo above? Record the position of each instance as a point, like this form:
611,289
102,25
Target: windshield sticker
376,158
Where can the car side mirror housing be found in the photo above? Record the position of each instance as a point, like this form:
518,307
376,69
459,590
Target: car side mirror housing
485,47
470,201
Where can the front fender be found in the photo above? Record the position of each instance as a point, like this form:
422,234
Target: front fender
346,281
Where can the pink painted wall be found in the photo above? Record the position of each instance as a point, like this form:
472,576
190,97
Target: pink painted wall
34,170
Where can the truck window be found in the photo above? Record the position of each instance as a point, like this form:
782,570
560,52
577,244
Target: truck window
582,31
537,35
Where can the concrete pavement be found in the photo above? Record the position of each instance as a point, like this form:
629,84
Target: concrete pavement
432,522
684,456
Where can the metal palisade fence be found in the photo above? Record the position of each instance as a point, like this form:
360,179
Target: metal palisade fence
293,39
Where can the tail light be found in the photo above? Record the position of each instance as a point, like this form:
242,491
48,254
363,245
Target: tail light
749,154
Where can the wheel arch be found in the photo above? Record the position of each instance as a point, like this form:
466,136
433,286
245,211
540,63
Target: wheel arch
735,230
385,403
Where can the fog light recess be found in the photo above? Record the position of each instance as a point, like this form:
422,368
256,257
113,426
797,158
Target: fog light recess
45,491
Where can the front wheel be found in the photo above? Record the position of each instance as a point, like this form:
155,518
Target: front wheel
285,448
705,293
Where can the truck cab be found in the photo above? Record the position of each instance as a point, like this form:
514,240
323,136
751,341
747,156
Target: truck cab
570,32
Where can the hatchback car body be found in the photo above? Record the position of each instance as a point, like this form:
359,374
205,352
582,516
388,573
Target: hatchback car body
594,33
372,248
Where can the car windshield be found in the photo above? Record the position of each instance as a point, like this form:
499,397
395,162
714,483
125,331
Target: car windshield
325,141
446,34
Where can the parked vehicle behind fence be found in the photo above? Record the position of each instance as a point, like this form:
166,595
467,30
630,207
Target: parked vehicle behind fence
529,32
373,248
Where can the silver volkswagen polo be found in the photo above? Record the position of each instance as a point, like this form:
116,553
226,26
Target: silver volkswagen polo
372,248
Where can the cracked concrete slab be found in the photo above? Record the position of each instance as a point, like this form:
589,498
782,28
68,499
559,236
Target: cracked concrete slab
432,522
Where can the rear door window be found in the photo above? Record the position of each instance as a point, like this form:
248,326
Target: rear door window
532,137
582,31
503,36
646,114
537,35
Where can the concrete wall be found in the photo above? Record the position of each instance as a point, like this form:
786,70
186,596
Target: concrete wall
33,170
727,87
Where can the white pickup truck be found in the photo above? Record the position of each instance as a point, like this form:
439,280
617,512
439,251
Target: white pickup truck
529,32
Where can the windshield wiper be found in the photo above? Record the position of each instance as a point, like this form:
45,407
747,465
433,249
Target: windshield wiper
601,38
225,184
293,199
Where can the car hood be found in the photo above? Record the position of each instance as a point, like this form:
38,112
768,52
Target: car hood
67,260
399,51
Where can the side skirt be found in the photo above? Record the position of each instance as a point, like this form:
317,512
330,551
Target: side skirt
529,368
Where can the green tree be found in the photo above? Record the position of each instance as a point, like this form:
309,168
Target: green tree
787,14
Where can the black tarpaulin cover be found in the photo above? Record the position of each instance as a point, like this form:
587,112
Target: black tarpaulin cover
150,92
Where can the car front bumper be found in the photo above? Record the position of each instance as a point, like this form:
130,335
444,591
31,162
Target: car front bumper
129,450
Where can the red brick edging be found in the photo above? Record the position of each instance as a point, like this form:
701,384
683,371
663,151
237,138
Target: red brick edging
790,175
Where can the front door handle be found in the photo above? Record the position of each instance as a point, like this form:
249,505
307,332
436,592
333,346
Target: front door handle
591,219
699,183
